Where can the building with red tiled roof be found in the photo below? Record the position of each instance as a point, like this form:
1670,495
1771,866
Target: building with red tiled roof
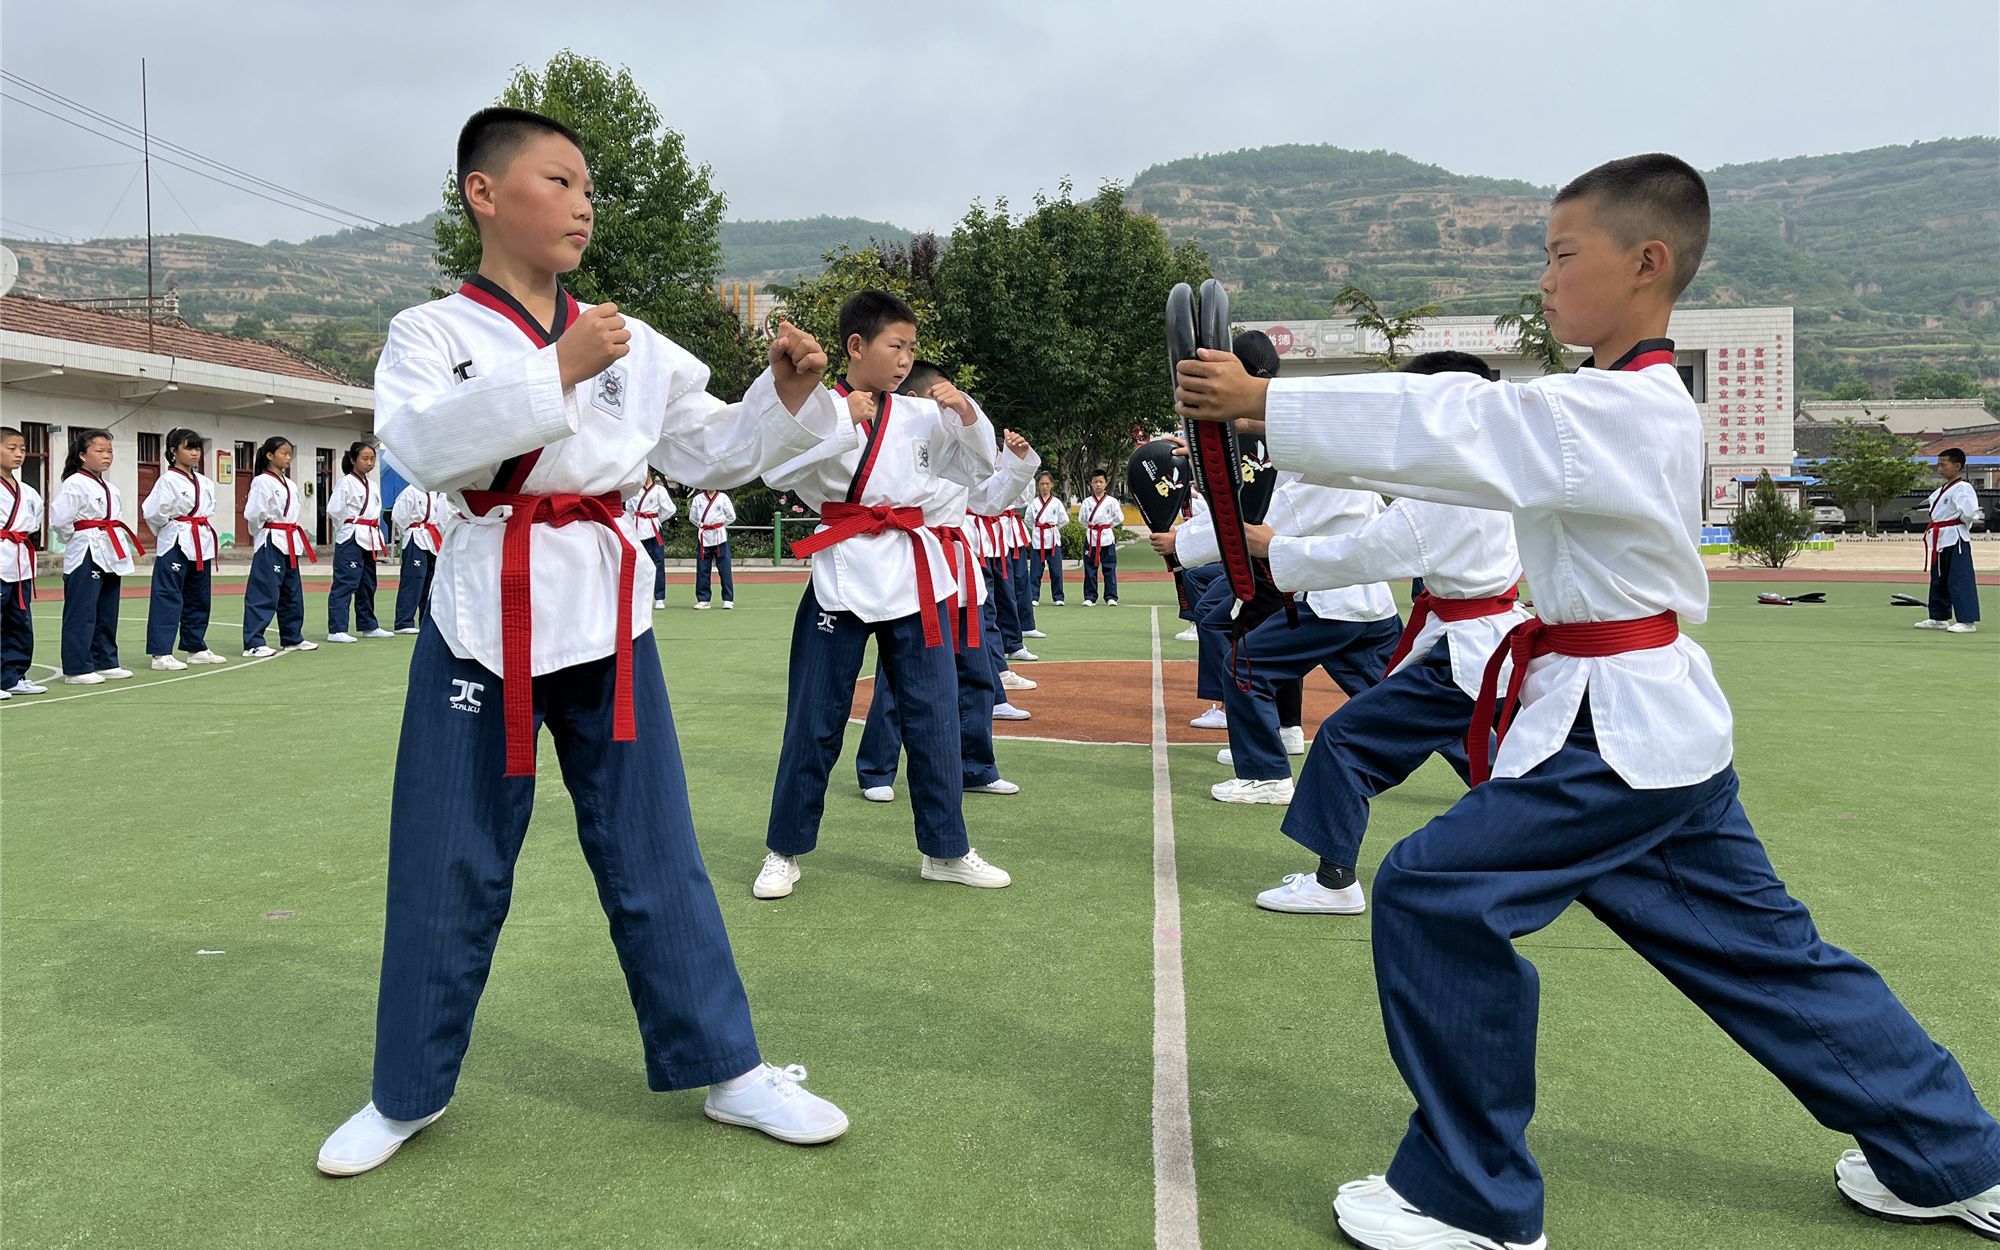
52,319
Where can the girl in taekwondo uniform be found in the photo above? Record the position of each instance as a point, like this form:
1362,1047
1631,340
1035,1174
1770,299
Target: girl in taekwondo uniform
277,540
98,546
354,505
180,509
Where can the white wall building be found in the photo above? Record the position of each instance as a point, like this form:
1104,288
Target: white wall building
64,369
1738,364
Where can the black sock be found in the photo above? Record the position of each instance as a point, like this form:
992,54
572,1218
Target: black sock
1333,876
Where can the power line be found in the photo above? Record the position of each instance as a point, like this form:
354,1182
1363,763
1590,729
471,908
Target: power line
120,203
164,186
33,228
64,169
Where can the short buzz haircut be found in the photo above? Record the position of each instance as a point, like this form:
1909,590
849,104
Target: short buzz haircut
1655,196
8,431
1257,352
1097,473
1451,362
868,313
492,137
923,376
1954,454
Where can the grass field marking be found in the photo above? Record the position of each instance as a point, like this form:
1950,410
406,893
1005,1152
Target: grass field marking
122,685
1176,1222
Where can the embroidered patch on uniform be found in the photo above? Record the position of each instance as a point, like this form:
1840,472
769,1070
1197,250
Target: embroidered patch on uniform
922,450
465,694
609,393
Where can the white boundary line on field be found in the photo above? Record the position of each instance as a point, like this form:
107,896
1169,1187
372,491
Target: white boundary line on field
116,687
1176,1215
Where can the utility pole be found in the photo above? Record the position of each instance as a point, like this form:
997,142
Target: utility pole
146,128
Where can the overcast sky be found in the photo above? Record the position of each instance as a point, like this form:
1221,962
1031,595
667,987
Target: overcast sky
803,109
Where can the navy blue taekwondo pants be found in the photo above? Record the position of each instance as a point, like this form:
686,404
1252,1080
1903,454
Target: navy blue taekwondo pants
455,828
413,588
825,661
882,740
1026,588
17,632
89,619
718,559
1100,560
353,578
656,551
1372,743
1954,588
1681,878
1005,601
1040,562
179,604
273,591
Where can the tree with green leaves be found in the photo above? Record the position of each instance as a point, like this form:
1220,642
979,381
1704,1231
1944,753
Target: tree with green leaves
1853,388
1396,329
653,249
1926,382
1768,529
1870,465
1538,344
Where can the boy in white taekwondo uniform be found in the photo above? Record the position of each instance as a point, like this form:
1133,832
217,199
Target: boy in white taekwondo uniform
539,415
1349,631
277,540
180,510
975,633
712,513
1948,549
1613,786
1376,739
20,525
354,505
1045,517
421,518
879,570
652,508
1100,515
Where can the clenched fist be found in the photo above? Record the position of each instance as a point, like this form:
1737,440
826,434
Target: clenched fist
796,354
861,406
591,343
1016,444
945,395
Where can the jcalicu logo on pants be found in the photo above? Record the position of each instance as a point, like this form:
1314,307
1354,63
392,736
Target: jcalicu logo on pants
465,694
826,622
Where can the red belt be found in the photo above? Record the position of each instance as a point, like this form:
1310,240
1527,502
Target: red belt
852,520
650,516
1428,605
1931,539
1044,527
26,589
1015,517
1096,552
437,535
963,570
295,536
196,524
517,610
722,526
375,525
1589,639
112,527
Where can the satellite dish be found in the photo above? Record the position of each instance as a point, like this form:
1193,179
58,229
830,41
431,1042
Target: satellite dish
10,269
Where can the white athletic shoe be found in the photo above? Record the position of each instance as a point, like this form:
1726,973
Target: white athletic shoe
1011,680
114,673
1033,633
997,786
1007,711
1302,893
412,629
1088,603
1931,624
167,664
1860,1186
378,632
1226,758
342,636
1294,738
659,605
84,679
1375,1216
967,869
367,1140
774,879
205,656
1213,718
1961,627
259,653
1022,653
729,605
1112,602
878,794
1188,635
24,686
1059,603
304,644
778,1105
1277,790
6,695
701,605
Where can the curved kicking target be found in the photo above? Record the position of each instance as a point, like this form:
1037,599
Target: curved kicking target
1158,477
1212,450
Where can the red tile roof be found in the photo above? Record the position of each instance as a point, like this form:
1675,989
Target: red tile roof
1972,443
50,319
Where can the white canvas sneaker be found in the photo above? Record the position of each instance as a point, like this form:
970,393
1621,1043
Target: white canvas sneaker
259,653
967,869
1022,653
1188,635
306,644
1303,895
367,1140
1213,718
167,664
84,679
1277,790
1226,758
1011,680
343,636
1930,624
24,686
114,673
729,605
1961,627
775,878
778,1105
1860,1186
880,794
378,632
999,785
1294,738
1007,711
1377,1217
205,656
1112,602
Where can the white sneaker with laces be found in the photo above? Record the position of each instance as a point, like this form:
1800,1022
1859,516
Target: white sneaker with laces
1933,624
378,632
115,673
778,1105
1187,635
84,679
1213,718
701,605
306,644
1373,1215
342,636
1022,653
1011,680
1007,711
967,869
1302,894
1859,1185
880,794
729,605
24,686
167,664
999,785
1033,633
367,1140
775,878
259,653
205,656
1294,738
1961,627
1277,790
411,629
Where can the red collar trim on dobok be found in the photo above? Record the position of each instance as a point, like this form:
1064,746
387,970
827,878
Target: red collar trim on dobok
852,520
1532,638
112,527
512,475
517,610
1427,605
25,555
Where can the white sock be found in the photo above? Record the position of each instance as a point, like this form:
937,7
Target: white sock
737,1084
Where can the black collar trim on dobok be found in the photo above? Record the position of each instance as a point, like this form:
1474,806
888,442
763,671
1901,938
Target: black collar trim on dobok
483,290
1644,355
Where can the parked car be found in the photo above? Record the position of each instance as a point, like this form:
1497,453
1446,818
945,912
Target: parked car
1828,516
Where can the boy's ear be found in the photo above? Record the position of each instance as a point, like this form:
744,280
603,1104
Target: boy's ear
1656,262
854,345
478,191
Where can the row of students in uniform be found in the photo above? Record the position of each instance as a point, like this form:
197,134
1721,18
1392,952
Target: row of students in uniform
711,512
